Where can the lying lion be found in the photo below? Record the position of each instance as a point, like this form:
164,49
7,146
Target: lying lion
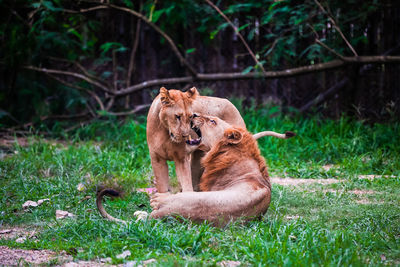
235,182
168,131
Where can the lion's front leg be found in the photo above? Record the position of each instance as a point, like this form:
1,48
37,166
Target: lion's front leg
183,173
160,169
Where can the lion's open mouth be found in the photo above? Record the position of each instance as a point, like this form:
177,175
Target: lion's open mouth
194,141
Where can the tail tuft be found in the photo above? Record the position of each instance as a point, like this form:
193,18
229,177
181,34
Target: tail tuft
111,192
289,134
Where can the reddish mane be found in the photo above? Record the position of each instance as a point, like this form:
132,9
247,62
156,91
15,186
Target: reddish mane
224,155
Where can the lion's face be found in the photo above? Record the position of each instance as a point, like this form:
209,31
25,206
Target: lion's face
211,130
176,112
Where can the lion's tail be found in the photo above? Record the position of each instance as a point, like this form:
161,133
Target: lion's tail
99,203
286,135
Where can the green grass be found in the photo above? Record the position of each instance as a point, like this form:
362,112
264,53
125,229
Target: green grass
306,225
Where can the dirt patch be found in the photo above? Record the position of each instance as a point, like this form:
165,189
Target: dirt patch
87,264
18,233
10,141
365,201
356,191
374,176
301,181
361,192
13,256
292,217
327,167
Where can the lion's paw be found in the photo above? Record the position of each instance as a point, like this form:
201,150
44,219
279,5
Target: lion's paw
158,199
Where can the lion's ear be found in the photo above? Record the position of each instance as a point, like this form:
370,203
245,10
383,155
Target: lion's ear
164,96
233,136
192,92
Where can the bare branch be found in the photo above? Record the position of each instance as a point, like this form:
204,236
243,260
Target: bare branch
336,27
86,72
324,45
133,54
68,73
64,117
237,75
114,68
238,34
155,82
82,68
91,93
329,49
151,24
132,60
133,111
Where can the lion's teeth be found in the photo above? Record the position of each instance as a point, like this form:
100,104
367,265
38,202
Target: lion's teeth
190,137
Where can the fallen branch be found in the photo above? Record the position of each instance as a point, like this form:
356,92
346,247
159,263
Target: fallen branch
236,75
268,74
331,91
323,96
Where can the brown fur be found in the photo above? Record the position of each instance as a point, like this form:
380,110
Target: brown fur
224,154
234,184
166,134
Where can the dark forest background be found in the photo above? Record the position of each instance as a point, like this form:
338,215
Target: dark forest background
79,60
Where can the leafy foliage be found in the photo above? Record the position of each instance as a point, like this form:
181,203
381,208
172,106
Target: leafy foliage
57,34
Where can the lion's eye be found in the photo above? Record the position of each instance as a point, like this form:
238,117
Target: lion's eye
178,117
213,122
195,115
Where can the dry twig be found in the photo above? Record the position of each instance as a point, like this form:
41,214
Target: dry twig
238,34
336,27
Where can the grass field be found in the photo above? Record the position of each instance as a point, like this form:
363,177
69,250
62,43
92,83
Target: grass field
355,221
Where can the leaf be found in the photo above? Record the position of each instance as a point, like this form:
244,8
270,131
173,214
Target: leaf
128,3
190,50
220,27
112,45
244,26
251,34
74,32
156,15
49,5
247,70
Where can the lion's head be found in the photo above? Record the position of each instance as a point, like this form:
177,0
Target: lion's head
176,112
212,130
